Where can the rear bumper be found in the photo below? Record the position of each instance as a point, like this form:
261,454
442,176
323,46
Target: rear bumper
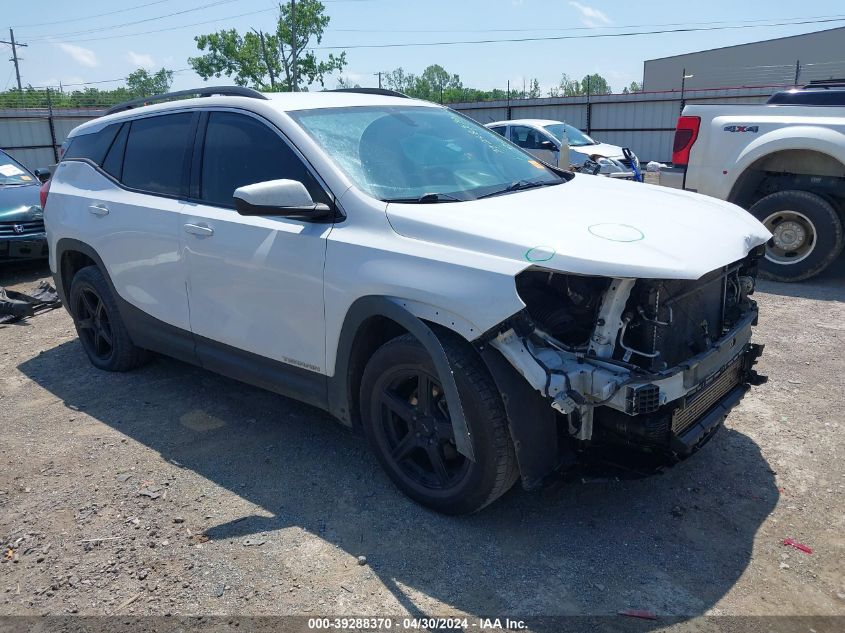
32,246
673,177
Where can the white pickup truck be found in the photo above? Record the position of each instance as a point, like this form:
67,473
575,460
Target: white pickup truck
783,161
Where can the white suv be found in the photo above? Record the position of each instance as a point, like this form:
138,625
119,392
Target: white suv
480,315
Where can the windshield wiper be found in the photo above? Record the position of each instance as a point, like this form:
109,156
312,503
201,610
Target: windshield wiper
517,185
428,198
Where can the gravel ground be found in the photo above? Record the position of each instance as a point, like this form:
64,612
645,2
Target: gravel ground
173,490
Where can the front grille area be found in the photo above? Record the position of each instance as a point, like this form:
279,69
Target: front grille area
27,227
709,393
673,320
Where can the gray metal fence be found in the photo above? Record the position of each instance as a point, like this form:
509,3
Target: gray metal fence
33,135
643,121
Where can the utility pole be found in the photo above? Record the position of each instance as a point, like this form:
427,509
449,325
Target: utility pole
294,88
379,79
15,57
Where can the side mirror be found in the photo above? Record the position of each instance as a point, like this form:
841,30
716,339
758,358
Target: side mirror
548,145
43,174
286,198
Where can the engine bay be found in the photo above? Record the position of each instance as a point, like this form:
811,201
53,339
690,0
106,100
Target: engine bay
634,361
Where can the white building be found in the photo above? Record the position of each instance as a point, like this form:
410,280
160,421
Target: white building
782,61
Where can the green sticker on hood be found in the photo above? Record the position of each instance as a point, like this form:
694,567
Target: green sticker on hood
616,232
539,254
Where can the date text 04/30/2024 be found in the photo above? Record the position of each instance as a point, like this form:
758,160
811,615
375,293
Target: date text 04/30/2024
456,623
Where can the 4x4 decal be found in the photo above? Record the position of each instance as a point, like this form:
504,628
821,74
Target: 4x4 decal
742,128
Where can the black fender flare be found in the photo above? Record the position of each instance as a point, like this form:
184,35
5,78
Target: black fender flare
338,385
532,422
69,244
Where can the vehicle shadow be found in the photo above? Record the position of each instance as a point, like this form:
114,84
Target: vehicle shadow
827,286
673,543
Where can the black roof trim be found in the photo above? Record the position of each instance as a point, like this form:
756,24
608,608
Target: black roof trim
812,95
373,91
226,91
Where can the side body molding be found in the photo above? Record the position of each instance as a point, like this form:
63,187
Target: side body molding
367,307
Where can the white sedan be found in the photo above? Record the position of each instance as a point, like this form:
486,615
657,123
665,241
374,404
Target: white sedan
543,138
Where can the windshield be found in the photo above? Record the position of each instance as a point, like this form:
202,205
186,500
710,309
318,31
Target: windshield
576,137
13,173
421,154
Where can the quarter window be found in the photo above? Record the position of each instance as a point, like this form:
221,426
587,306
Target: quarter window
240,150
156,151
92,146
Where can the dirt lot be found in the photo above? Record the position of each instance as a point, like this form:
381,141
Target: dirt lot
173,490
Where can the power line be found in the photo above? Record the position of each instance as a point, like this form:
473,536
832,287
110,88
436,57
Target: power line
172,28
570,37
161,17
96,15
275,8
580,28
208,5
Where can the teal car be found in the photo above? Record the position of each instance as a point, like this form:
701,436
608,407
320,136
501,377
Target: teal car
21,218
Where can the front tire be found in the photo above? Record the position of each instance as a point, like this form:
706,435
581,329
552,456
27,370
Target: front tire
807,234
98,324
406,421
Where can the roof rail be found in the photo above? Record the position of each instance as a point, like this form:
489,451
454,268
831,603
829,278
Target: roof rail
373,91
228,91
826,83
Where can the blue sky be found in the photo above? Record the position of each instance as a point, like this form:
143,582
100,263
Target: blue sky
67,45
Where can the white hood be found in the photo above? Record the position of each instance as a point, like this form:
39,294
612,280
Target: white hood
602,149
592,226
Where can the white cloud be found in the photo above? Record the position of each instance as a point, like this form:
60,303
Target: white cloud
84,56
141,60
589,16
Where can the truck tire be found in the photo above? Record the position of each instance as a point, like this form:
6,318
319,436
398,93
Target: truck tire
807,234
412,435
98,324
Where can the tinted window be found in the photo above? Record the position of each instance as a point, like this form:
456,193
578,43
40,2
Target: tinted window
155,153
240,150
92,146
499,129
114,159
526,137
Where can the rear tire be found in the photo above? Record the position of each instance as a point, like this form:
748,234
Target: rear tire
98,324
412,435
807,231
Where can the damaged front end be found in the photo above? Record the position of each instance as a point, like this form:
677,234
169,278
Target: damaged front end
653,365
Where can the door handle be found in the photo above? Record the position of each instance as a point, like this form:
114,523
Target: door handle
199,229
98,209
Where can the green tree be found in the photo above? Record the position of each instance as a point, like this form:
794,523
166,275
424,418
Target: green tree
595,84
567,87
141,83
534,91
264,60
346,83
433,83
634,87
398,80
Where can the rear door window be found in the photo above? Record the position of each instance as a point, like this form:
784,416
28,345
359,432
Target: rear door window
157,151
241,150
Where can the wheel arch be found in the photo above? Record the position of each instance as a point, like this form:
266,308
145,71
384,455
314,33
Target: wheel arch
370,322
789,155
71,256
